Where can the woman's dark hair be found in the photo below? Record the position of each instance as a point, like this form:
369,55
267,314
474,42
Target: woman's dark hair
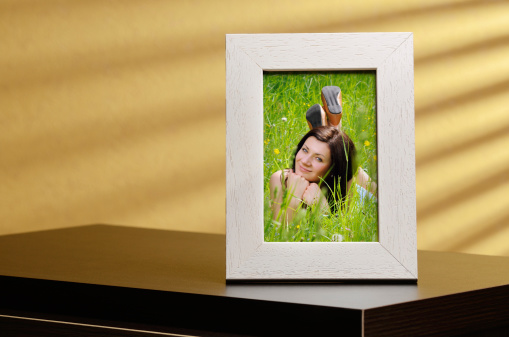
343,161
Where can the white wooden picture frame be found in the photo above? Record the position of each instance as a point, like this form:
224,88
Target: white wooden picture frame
248,256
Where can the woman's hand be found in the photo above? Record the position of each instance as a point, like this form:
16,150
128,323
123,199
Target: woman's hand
313,194
296,185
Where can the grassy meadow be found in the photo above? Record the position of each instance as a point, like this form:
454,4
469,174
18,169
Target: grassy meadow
287,97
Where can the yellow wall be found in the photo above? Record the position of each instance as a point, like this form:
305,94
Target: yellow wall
113,111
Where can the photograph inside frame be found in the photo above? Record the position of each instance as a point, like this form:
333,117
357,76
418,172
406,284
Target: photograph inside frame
320,156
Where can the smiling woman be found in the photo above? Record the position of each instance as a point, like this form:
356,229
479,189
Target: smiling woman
321,174
313,159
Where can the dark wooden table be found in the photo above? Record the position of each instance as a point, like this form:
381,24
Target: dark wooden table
105,280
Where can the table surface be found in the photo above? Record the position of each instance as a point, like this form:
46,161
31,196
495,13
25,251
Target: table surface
170,262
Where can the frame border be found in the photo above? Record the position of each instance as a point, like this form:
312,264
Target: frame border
394,256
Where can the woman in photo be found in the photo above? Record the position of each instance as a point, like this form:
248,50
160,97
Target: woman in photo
323,168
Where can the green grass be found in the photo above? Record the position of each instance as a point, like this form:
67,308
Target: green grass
287,96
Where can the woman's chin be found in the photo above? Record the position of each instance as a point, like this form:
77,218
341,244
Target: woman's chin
300,173
306,176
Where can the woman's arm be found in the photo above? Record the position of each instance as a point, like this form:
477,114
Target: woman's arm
296,185
276,194
313,195
365,181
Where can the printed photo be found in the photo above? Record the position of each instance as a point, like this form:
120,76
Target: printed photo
320,157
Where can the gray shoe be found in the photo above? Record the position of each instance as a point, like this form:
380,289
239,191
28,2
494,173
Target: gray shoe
332,101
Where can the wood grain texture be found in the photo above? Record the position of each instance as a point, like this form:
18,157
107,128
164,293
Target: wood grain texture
248,256
457,315
320,51
321,260
396,156
244,160
29,327
174,282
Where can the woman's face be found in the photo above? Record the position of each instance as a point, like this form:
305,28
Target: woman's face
313,160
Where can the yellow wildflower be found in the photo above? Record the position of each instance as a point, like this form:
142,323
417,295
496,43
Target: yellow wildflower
374,157
266,141
276,151
366,143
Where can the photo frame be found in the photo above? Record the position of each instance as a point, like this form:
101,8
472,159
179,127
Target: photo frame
248,256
